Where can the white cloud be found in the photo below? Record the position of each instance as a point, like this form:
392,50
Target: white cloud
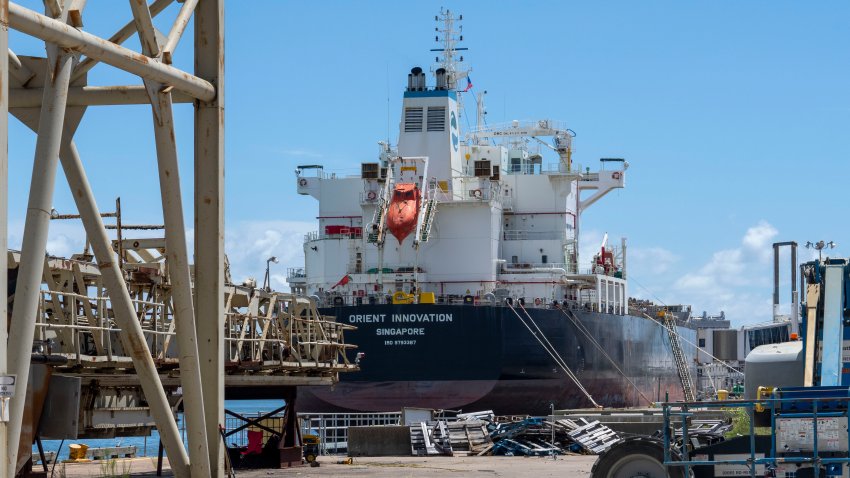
655,260
250,243
64,237
589,243
734,280
759,239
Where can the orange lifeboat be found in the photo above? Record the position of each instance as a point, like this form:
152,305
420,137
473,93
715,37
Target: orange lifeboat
403,210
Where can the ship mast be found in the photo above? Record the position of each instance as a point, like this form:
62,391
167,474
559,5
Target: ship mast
450,34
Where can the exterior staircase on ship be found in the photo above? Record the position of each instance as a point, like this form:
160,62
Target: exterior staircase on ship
679,358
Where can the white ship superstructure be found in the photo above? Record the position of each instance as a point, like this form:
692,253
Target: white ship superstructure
494,213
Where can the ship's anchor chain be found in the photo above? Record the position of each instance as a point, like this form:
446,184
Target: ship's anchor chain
547,346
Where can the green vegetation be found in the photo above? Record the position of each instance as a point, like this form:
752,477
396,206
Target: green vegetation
741,423
109,468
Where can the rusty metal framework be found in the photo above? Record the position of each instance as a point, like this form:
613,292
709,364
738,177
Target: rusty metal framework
50,96
268,334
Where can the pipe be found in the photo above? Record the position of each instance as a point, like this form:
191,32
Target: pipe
775,281
118,38
92,96
4,208
17,69
132,338
177,29
22,327
209,221
66,36
795,297
181,284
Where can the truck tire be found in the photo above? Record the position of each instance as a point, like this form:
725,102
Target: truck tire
640,456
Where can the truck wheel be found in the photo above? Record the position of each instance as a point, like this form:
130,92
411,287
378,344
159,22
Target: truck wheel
635,458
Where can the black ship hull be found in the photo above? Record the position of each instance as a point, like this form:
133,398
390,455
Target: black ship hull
474,357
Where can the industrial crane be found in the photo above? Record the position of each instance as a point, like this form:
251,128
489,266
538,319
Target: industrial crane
562,137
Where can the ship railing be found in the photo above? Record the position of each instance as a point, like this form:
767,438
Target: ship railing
388,269
346,233
522,235
523,125
589,177
265,331
471,189
587,303
295,273
332,428
530,267
561,168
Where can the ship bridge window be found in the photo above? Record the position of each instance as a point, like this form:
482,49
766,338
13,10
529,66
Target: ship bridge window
413,120
482,168
436,118
516,165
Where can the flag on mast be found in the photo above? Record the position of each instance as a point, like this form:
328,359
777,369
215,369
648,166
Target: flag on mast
468,85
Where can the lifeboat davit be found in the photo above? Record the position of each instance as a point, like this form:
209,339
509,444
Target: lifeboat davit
403,210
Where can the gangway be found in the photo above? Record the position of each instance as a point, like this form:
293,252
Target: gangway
679,357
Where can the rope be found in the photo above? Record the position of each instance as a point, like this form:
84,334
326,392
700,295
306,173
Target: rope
720,361
587,334
631,278
557,358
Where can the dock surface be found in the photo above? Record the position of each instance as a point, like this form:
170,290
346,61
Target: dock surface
413,467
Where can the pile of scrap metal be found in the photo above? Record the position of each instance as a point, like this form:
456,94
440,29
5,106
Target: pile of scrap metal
482,433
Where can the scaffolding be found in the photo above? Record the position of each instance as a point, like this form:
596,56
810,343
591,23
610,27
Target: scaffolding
50,96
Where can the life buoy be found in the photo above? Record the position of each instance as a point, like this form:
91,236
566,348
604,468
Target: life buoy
537,301
302,182
615,175
476,193
371,195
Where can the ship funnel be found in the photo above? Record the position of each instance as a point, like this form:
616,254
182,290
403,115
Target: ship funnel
442,80
416,79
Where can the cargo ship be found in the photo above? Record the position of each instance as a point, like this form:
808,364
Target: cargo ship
455,253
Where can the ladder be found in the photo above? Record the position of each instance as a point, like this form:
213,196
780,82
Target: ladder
380,216
679,357
426,215
427,220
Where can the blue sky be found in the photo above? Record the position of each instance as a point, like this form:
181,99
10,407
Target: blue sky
731,114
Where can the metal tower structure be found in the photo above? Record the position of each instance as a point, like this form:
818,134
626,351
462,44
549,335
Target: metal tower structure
50,95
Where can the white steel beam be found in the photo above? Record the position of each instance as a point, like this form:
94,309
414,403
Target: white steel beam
4,208
19,71
28,288
119,37
144,25
92,96
209,221
177,258
132,336
66,36
177,29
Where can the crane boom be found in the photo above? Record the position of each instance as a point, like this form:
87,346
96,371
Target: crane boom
561,136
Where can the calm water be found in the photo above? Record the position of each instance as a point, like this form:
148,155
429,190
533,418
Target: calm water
148,446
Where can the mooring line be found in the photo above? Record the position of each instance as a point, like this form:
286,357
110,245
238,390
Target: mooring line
556,357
